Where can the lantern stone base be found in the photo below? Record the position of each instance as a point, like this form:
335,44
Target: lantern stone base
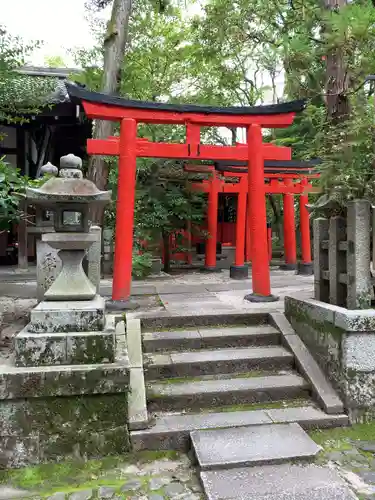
43,349
49,414
68,316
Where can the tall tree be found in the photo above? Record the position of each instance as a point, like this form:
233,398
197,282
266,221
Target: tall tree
337,76
114,50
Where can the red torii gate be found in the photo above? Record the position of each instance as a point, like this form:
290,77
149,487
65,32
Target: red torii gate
128,147
278,180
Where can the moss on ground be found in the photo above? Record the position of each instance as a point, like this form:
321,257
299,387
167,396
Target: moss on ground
340,438
78,475
343,440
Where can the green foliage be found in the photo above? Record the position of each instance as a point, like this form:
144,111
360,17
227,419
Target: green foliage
20,94
142,264
12,191
164,204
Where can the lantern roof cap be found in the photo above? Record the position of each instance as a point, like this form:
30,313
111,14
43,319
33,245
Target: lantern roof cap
68,187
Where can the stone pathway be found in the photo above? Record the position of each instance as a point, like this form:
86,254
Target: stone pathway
162,479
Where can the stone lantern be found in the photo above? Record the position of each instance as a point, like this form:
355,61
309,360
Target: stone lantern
69,196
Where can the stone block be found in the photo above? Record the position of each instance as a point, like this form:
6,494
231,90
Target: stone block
137,404
355,321
259,444
52,415
321,233
84,445
337,261
206,393
322,388
307,417
173,431
311,309
81,445
41,349
272,482
160,323
220,361
134,342
359,291
90,348
64,380
48,267
18,452
68,316
359,352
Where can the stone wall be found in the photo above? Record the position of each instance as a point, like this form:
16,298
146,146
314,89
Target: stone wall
342,257
343,343
54,413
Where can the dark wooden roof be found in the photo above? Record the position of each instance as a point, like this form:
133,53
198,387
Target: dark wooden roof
79,94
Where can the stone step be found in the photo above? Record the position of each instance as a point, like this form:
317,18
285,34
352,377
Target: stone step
172,432
211,338
211,393
219,361
254,445
283,482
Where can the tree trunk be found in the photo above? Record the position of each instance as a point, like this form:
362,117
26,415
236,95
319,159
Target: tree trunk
337,78
114,50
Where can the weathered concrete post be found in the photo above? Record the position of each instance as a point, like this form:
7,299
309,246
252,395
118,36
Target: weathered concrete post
358,255
94,255
321,234
337,261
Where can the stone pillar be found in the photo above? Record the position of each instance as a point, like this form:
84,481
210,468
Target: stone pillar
337,261
107,251
321,234
358,255
94,255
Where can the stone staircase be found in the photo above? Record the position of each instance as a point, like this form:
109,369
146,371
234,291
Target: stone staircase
240,398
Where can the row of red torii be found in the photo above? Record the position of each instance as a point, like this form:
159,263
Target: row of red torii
281,177
128,147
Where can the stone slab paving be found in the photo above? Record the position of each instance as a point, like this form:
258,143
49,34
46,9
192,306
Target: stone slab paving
280,482
174,430
259,444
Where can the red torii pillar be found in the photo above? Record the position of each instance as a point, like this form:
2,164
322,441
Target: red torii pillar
240,270
127,168
305,266
212,207
261,281
290,242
